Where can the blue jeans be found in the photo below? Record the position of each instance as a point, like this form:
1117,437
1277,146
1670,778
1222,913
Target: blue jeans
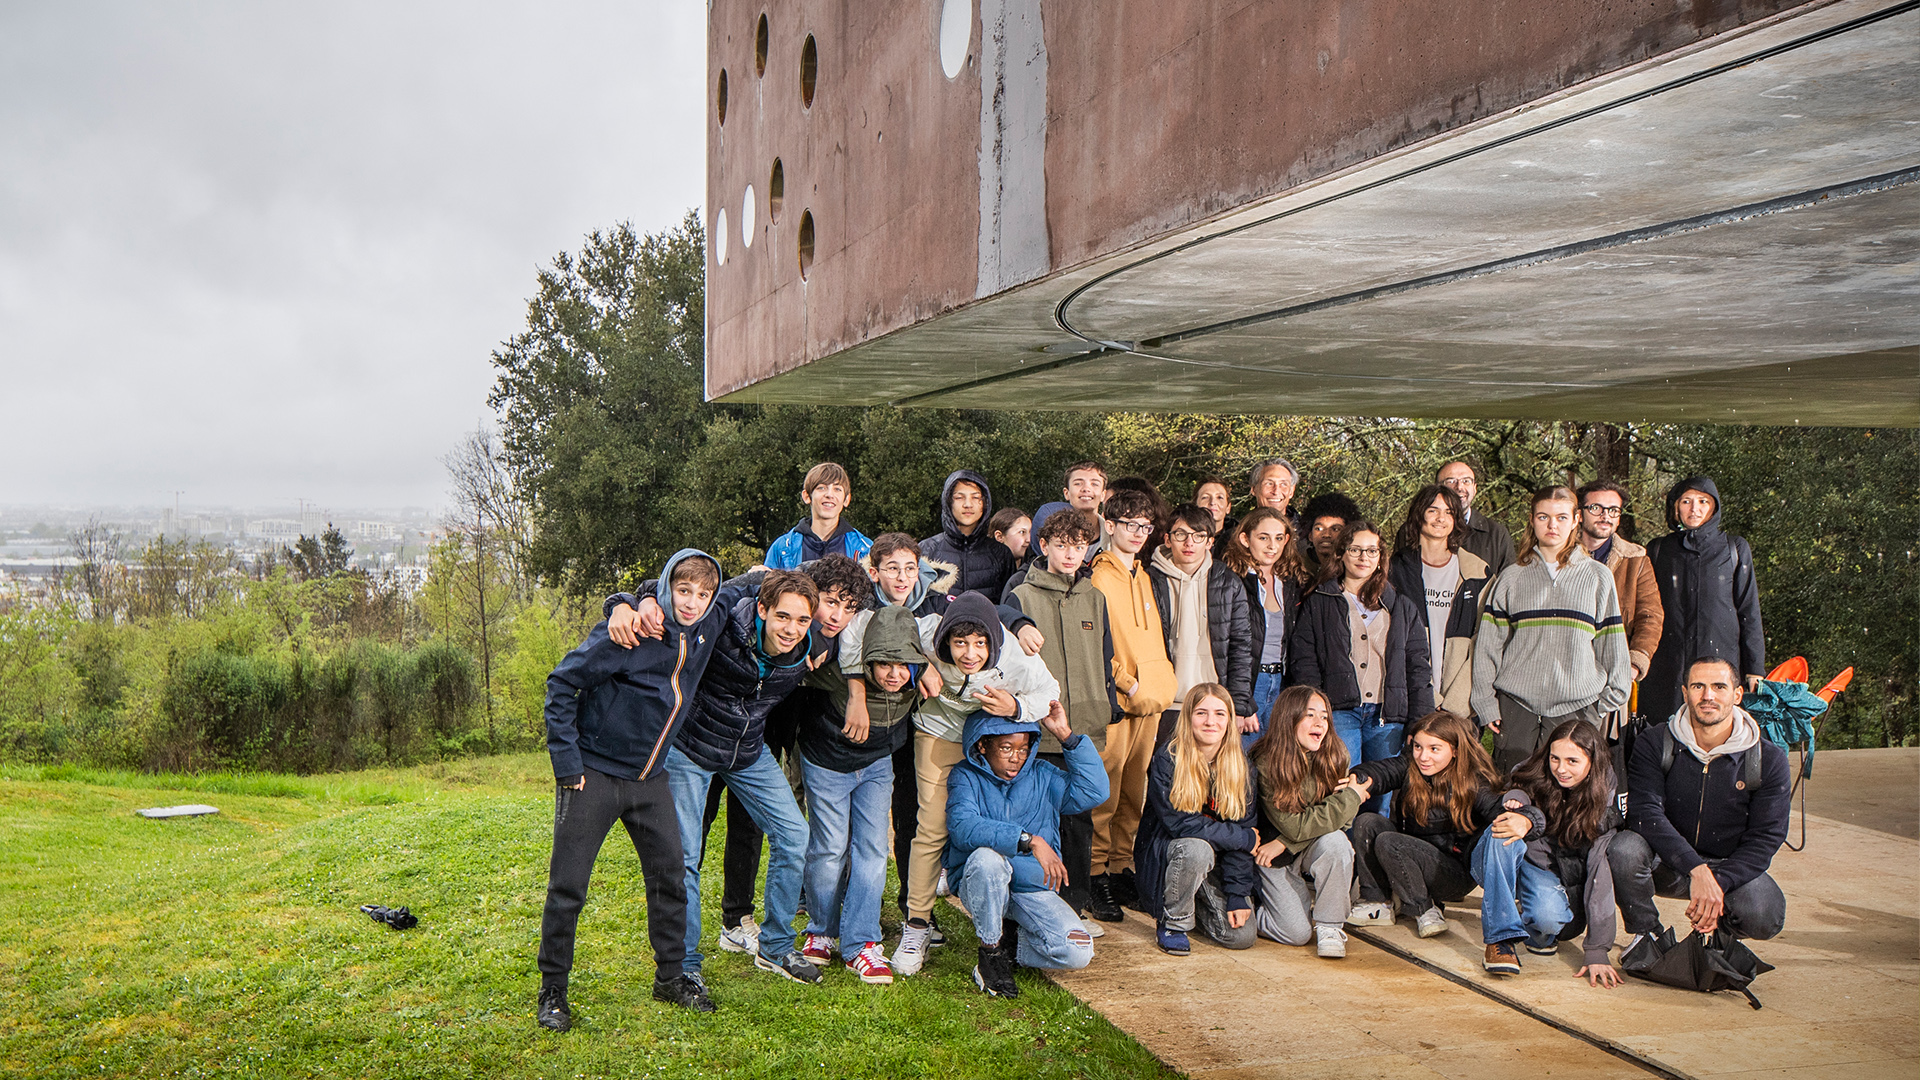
847,850
764,791
1517,899
1367,739
1266,686
1051,935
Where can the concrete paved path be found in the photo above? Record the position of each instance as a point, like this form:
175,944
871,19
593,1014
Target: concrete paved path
1844,1002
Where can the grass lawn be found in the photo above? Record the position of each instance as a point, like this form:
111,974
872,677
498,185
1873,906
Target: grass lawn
233,946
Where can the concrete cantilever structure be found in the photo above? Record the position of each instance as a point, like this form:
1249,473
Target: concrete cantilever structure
1660,210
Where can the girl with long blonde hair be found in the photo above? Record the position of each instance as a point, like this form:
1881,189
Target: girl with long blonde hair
1193,854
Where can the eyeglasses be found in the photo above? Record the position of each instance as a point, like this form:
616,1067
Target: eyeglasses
1013,751
1364,553
1602,511
1138,528
1181,536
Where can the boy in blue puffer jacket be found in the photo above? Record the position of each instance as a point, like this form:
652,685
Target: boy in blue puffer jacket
612,714
1003,836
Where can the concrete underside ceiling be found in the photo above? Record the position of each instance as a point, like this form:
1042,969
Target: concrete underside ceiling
1728,234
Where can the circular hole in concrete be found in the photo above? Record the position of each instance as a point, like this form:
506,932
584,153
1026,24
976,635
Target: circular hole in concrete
776,191
956,33
806,242
760,46
720,237
746,218
720,97
809,70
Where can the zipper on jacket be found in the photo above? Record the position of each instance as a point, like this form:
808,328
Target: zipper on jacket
679,698
1700,819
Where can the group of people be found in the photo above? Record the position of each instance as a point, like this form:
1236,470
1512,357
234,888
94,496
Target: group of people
1263,727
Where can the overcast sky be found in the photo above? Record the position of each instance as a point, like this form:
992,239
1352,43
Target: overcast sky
262,252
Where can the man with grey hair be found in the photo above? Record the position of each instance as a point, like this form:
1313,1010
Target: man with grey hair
1272,482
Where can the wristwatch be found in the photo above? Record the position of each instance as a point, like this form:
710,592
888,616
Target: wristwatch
1025,846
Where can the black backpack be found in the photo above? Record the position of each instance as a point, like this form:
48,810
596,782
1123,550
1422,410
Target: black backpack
1750,759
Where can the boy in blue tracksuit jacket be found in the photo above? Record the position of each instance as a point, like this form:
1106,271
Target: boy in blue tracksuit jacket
1003,836
612,714
826,492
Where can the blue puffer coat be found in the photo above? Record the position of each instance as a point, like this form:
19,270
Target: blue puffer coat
726,728
984,810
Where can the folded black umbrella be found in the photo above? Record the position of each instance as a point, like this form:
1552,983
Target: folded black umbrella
1703,962
398,918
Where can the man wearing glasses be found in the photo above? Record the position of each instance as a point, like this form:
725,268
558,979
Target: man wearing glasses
1601,505
1484,537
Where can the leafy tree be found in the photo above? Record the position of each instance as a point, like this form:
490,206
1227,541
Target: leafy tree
311,558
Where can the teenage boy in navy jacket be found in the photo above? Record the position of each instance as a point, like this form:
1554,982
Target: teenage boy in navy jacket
612,714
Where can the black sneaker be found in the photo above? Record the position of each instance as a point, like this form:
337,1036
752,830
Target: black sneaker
688,991
994,973
1126,891
791,966
935,937
1101,904
553,1013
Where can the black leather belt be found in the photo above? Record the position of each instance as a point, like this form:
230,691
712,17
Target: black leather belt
1273,669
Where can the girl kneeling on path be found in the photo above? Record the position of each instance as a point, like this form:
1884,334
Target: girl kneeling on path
1525,886
1445,794
1306,861
1196,839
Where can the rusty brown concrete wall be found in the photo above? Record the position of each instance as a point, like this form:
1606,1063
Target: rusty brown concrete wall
1158,114
884,160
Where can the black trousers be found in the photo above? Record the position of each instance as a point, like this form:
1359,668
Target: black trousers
1392,862
1756,910
906,815
581,820
740,866
1076,850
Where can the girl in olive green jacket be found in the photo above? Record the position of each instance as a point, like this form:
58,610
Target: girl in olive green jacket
1305,861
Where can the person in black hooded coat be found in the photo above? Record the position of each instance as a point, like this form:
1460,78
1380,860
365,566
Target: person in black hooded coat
1711,599
984,563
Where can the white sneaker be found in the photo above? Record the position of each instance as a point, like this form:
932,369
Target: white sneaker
1331,941
1431,923
744,938
1093,928
911,953
1370,913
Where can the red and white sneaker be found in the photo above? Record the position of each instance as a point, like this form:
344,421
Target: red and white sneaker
870,963
819,949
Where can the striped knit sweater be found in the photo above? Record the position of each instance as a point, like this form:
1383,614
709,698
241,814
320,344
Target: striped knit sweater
1554,643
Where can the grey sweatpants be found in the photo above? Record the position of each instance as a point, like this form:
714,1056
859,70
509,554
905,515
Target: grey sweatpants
1193,893
1316,887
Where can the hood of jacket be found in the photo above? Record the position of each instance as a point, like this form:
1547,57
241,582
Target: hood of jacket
663,591
969,607
1042,578
892,638
1037,519
936,577
983,724
1708,537
950,526
1746,734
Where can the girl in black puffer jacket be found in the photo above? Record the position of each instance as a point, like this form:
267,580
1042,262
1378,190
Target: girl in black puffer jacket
1445,794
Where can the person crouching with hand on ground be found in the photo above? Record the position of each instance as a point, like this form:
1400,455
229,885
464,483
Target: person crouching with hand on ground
1707,806
1445,794
1305,860
1196,840
1525,885
1004,807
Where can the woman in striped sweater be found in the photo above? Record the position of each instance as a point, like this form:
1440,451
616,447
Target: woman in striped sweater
1551,645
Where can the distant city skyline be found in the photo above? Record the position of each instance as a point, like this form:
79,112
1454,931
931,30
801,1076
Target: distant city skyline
259,254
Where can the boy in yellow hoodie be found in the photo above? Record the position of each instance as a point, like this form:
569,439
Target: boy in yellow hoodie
1144,678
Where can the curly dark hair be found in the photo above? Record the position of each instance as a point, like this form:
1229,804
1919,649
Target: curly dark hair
1417,515
838,572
